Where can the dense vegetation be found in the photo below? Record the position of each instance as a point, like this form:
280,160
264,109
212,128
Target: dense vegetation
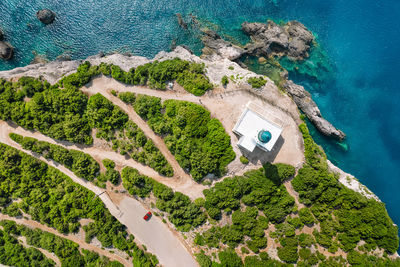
68,114
199,143
113,125
258,191
111,174
81,164
345,216
66,250
35,105
14,254
51,198
183,213
189,75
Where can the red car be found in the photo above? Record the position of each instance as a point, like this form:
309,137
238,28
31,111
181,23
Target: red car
147,216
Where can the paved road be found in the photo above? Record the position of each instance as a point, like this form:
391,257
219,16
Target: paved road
155,234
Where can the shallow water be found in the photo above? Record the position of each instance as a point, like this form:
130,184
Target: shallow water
360,39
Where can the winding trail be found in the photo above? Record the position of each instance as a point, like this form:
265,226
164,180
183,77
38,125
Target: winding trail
82,244
157,237
186,186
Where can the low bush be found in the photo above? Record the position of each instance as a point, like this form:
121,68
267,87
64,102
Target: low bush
256,82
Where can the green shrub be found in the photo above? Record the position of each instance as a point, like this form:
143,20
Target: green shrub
224,80
108,164
278,172
288,252
229,258
203,260
306,216
256,82
244,160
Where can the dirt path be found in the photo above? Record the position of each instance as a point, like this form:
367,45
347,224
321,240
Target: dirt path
82,244
169,250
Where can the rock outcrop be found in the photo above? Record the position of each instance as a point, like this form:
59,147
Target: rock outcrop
292,39
214,45
1,35
46,16
303,100
6,50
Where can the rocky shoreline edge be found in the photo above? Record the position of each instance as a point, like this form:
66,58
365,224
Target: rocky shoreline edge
216,69
292,40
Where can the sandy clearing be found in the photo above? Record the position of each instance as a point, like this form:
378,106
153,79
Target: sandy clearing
82,244
130,212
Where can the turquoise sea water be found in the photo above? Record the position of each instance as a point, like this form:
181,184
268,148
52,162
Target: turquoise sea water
359,41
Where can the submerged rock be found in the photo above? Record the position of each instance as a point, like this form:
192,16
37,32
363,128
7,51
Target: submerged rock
6,50
1,35
46,16
181,22
292,39
303,100
215,45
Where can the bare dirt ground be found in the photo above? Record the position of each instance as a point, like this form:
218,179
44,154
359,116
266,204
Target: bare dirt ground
73,238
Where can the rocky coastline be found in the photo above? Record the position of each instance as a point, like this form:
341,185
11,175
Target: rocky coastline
292,40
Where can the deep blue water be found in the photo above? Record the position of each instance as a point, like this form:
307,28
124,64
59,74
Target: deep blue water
360,39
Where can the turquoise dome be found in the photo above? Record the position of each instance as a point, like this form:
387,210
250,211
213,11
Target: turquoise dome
264,136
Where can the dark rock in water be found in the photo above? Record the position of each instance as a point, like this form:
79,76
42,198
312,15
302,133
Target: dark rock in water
292,39
303,100
215,45
6,50
46,16
1,35
181,22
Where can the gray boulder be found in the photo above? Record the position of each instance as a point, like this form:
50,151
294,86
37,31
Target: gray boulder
214,45
46,16
6,51
303,100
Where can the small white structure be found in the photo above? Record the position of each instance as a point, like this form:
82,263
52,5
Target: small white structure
256,131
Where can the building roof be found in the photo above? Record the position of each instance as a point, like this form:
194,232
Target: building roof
256,130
